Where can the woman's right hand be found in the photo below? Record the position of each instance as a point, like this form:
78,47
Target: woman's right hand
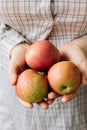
17,66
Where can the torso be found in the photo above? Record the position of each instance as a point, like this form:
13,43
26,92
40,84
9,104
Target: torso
60,22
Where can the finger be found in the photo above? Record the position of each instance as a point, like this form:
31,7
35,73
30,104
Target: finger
53,95
84,80
50,101
25,104
69,97
44,105
12,73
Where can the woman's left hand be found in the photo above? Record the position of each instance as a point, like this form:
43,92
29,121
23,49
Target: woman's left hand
76,52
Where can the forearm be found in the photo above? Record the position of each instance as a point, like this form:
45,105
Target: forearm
9,39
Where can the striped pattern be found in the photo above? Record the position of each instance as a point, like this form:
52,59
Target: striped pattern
59,21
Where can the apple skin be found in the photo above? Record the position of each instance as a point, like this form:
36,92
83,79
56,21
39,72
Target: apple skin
42,55
31,87
64,77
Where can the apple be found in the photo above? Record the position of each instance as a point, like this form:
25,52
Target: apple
42,55
64,77
31,86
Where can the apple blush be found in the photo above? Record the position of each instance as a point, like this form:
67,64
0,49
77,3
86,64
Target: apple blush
42,55
64,77
31,86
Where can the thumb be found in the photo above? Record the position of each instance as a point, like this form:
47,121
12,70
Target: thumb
12,73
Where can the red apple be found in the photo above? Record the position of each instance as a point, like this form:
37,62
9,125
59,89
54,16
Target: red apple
31,86
42,55
64,77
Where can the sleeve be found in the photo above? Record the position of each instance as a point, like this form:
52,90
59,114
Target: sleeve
9,38
85,34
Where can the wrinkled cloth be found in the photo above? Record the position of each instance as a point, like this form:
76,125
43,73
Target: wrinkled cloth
60,22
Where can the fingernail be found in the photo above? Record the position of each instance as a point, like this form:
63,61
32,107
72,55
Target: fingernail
64,100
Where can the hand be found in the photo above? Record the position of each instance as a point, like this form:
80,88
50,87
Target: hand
17,62
17,65
76,52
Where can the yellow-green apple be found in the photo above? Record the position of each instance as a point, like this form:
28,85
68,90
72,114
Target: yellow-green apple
31,86
64,77
42,55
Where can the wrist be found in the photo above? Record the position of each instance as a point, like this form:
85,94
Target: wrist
81,41
19,47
